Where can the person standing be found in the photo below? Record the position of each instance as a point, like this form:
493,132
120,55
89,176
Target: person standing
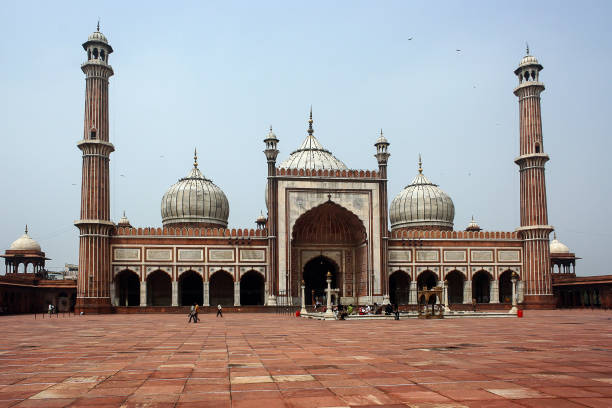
219,310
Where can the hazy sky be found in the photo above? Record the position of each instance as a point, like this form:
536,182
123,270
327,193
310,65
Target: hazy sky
215,75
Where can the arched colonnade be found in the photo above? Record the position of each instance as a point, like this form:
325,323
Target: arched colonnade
483,287
159,289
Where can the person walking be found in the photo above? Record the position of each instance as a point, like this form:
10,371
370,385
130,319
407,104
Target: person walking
197,312
219,310
192,314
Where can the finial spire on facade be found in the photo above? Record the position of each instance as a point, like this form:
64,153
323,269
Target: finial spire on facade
310,130
555,235
124,213
381,132
527,46
26,229
195,158
420,164
98,26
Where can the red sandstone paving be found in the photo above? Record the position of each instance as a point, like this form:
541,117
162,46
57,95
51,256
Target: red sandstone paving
547,359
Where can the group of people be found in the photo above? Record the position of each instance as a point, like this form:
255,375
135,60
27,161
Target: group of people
342,312
195,310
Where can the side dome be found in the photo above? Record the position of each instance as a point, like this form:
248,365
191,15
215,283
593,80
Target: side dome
25,243
557,247
312,155
194,201
422,205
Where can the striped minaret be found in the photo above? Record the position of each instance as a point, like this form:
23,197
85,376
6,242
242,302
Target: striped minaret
93,292
534,227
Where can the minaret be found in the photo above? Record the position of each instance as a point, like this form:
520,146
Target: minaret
271,152
382,156
95,226
534,227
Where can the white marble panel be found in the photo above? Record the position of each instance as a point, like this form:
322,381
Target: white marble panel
509,256
454,256
400,256
221,255
482,255
159,254
252,255
127,254
190,254
427,256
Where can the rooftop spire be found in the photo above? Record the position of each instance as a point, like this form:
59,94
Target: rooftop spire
195,158
26,229
420,164
98,26
310,130
527,46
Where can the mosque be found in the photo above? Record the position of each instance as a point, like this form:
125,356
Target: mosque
321,217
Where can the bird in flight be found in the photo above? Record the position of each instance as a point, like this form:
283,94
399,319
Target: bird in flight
410,39
458,50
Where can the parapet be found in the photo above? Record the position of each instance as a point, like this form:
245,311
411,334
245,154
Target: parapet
431,234
192,232
356,174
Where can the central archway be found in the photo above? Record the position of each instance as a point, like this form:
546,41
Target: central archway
329,227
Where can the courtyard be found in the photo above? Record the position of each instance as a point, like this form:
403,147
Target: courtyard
554,358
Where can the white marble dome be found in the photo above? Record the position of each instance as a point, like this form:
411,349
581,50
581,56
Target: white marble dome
97,36
25,243
312,155
528,60
194,200
422,205
557,247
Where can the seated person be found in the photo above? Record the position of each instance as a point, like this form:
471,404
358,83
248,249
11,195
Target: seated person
388,309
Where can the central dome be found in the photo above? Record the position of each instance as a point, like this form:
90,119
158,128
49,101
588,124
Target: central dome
194,201
422,205
312,155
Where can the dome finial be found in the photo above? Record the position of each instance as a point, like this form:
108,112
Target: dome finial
527,46
195,157
26,229
124,213
555,235
420,164
310,130
98,26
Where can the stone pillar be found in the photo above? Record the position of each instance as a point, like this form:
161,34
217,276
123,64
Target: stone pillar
412,296
303,311
494,291
237,293
114,300
206,294
467,292
329,314
143,293
445,289
520,285
174,293
514,294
